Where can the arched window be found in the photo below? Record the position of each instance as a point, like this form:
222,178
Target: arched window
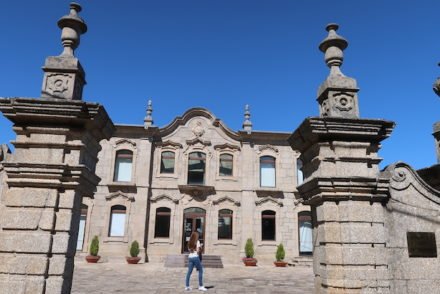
82,227
167,162
163,219
305,232
268,227
299,172
117,221
196,168
267,171
225,224
226,164
123,166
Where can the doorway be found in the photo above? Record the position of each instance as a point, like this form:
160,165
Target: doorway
193,221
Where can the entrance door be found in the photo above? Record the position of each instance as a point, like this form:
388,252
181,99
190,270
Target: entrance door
82,226
193,221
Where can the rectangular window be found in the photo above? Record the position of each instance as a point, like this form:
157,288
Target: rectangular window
226,164
117,227
167,162
123,166
225,224
162,226
196,168
267,171
268,225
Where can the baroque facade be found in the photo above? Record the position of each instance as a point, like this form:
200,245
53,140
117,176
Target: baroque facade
74,174
195,174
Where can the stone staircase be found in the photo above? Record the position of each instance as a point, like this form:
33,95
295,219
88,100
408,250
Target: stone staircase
306,261
181,260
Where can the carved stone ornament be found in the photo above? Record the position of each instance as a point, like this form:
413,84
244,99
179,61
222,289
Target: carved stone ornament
224,199
343,101
260,149
119,194
57,84
198,129
164,197
125,141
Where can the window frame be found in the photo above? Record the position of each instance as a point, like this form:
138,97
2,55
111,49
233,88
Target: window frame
129,154
204,168
232,160
226,213
117,209
261,158
268,216
161,170
162,213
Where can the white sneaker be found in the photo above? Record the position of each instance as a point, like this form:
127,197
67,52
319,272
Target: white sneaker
202,288
188,289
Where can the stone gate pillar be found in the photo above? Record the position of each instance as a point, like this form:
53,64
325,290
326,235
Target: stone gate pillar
52,168
342,184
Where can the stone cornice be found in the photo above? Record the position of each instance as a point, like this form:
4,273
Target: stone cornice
318,129
28,111
321,189
51,176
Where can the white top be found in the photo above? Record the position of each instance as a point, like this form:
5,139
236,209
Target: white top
195,253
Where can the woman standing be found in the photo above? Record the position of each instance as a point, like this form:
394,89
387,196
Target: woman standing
194,261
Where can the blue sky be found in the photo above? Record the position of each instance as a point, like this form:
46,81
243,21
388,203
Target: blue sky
224,54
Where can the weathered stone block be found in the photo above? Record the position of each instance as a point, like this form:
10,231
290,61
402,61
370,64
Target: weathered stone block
30,197
14,218
47,220
60,243
57,285
17,284
63,220
25,242
23,264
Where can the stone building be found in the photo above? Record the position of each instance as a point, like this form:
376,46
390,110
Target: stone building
195,174
74,174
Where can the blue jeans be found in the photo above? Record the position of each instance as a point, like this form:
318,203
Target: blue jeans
194,262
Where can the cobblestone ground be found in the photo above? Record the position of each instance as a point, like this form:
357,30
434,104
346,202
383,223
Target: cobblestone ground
156,279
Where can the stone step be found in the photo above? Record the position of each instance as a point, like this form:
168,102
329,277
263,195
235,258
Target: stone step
306,261
181,260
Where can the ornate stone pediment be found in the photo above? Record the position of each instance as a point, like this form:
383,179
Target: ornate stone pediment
164,197
227,146
119,194
197,191
269,199
226,198
272,148
197,140
125,141
169,143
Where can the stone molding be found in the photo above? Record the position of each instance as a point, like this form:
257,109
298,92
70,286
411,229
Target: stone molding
269,199
164,197
120,194
224,199
402,176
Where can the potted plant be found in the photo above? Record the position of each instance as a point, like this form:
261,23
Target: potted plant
93,257
279,256
249,260
134,252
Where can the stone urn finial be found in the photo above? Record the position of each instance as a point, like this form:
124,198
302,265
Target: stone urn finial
72,27
436,86
333,47
247,124
148,120
337,96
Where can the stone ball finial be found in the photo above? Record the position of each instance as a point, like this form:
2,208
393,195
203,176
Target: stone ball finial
436,86
72,26
333,46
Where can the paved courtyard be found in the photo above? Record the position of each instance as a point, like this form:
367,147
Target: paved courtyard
155,278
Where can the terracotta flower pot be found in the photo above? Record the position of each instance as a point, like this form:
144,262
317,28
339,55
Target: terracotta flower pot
250,261
132,260
280,263
92,259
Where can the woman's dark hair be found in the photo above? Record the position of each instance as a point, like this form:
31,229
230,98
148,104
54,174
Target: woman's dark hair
192,244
